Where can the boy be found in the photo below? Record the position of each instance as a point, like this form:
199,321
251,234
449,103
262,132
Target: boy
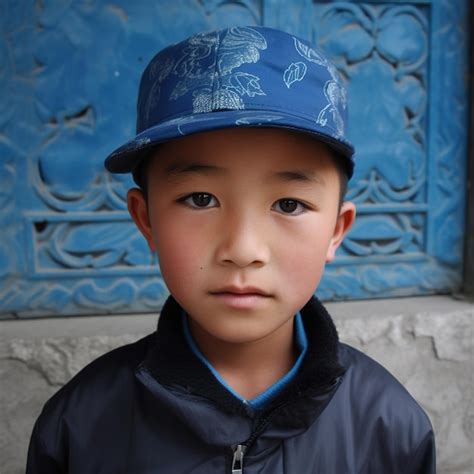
242,164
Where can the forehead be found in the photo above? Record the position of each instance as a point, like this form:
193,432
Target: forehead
258,149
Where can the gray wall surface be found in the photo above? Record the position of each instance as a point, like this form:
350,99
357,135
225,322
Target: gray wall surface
426,342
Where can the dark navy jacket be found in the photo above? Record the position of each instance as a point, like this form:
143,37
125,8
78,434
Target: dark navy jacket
154,407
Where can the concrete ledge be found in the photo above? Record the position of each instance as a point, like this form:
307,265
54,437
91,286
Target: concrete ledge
139,323
426,342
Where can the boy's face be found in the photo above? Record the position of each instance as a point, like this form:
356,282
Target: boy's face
242,207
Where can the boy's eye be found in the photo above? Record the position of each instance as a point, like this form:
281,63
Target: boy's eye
198,200
288,206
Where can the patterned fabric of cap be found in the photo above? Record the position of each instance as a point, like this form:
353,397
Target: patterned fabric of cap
243,76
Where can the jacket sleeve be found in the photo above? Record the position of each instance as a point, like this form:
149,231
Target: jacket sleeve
38,460
424,458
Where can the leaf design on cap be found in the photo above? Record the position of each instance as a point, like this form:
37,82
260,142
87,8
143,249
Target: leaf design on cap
141,142
259,119
336,96
197,49
187,84
158,71
207,63
160,68
334,91
240,46
242,36
153,99
294,72
308,53
244,83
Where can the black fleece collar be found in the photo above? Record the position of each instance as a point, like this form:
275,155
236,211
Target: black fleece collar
173,364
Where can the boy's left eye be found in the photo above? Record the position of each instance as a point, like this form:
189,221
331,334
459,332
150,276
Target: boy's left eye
288,206
198,200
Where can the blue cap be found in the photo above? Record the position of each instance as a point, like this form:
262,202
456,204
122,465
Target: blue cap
250,76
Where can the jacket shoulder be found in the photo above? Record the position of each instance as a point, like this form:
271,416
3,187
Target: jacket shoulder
98,383
389,411
119,362
377,382
83,404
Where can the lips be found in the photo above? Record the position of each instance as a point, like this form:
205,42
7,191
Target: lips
246,290
241,298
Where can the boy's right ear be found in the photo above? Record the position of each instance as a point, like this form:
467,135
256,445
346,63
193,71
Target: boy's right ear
138,209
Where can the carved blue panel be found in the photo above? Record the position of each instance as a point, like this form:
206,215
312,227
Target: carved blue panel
404,64
69,76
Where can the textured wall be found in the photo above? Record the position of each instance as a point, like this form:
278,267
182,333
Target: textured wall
69,73
426,342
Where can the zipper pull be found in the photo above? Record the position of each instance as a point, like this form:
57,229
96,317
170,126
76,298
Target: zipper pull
238,459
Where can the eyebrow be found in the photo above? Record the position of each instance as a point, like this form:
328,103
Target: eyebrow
300,176
287,176
177,169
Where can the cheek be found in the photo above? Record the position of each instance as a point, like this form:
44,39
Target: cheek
303,256
305,263
181,253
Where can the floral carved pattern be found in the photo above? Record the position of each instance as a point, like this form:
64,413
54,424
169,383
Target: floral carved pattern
70,78
62,246
407,109
382,51
67,244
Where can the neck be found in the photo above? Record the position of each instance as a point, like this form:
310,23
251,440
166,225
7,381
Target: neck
251,367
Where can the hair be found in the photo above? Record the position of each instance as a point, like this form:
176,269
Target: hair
140,173
342,169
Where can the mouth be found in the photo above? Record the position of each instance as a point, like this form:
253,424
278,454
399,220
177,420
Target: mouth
247,297
244,291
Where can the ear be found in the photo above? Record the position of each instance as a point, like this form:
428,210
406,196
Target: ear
344,221
138,209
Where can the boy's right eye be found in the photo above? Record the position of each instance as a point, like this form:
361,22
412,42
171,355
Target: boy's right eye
197,200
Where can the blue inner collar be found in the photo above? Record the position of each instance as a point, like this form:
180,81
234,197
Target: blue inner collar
259,401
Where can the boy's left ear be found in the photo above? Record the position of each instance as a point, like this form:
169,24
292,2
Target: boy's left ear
344,222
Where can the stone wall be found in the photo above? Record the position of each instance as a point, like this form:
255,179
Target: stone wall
426,342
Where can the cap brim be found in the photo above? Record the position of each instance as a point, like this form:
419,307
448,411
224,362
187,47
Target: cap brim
127,157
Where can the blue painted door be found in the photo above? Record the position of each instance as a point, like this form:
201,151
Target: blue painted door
69,77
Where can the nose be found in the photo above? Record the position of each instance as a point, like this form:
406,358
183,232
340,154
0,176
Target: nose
242,240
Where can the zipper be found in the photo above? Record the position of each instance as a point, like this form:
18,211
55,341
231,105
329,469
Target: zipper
238,459
239,450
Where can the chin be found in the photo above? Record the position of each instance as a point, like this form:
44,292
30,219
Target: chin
238,330
238,335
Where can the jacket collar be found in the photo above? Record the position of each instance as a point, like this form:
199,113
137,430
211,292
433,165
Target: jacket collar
171,369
